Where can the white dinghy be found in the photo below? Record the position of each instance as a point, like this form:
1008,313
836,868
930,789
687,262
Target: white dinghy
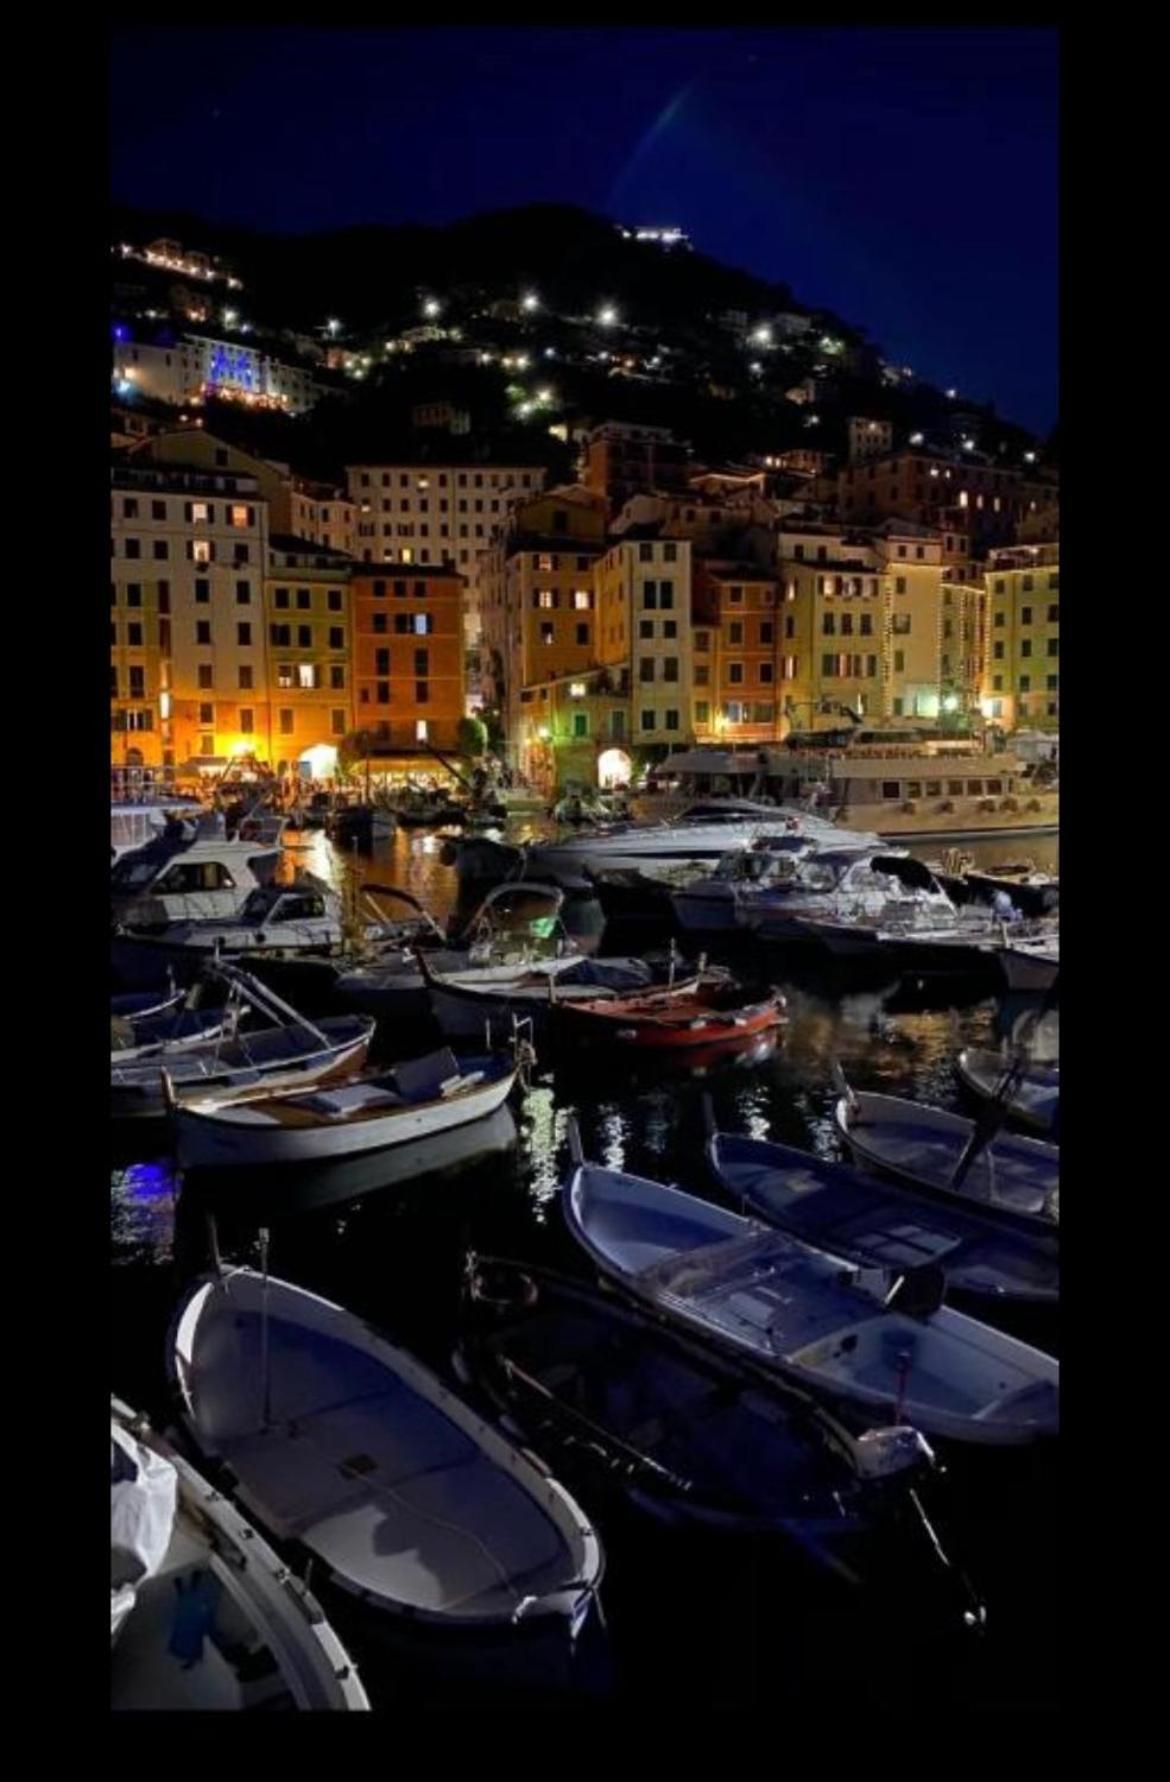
1033,1100
866,1339
369,1112
347,1445
203,1615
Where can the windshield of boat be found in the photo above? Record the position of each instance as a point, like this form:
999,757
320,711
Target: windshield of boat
133,872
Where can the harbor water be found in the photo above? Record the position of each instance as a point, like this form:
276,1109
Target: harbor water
707,1622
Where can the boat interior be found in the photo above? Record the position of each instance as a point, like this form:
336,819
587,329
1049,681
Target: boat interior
393,1496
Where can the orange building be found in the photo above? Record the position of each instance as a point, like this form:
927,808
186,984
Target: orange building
738,664
408,655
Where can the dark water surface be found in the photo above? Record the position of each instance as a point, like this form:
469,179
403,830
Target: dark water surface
725,1622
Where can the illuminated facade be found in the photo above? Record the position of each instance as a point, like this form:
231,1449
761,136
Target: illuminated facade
738,664
196,366
643,628
307,626
1021,678
408,657
620,460
188,677
538,596
439,514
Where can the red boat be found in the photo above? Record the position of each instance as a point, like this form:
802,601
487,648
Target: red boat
697,1015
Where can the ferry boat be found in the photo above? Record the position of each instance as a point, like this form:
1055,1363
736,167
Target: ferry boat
895,782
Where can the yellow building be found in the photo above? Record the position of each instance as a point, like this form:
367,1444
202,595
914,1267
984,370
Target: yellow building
1021,682
572,731
188,676
911,559
644,629
308,631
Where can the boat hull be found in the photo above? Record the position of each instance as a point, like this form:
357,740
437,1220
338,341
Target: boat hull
204,1141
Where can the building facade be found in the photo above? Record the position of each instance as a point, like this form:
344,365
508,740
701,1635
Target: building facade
1021,685
188,551
408,656
307,625
620,460
439,514
197,366
738,660
644,630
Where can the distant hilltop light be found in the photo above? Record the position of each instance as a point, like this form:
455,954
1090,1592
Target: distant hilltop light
665,236
607,315
916,438
530,301
1029,457
952,394
431,307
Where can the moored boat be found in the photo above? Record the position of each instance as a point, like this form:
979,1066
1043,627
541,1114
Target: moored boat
680,1018
204,1615
368,1112
630,1406
341,1442
1012,1179
1033,1098
866,1340
1031,963
851,1214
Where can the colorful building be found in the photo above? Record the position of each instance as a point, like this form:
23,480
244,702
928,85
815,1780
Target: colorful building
308,634
188,664
644,629
408,656
1021,683
738,655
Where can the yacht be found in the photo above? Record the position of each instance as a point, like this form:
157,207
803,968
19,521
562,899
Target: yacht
710,904
898,780
701,835
277,921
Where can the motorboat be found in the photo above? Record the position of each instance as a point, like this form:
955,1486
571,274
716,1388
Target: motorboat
204,1616
711,904
864,887
1012,1179
347,1447
291,1052
370,1111
514,926
136,821
701,835
848,1213
301,920
1033,1099
1031,963
870,1341
628,1405
188,880
673,1019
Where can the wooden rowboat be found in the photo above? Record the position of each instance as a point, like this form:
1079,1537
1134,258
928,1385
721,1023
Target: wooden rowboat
695,1014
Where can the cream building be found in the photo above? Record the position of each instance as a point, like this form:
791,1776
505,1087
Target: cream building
197,366
439,514
188,549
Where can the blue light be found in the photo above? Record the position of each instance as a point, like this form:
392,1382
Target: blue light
120,333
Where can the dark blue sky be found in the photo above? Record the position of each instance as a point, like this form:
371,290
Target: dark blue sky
906,178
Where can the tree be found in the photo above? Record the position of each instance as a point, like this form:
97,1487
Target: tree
353,749
472,738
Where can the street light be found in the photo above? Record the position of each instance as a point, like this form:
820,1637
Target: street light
607,315
762,336
530,301
431,307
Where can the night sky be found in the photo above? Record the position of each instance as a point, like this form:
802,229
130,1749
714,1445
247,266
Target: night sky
905,178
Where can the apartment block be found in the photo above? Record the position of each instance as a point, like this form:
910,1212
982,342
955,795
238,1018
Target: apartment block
1021,685
308,632
408,655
